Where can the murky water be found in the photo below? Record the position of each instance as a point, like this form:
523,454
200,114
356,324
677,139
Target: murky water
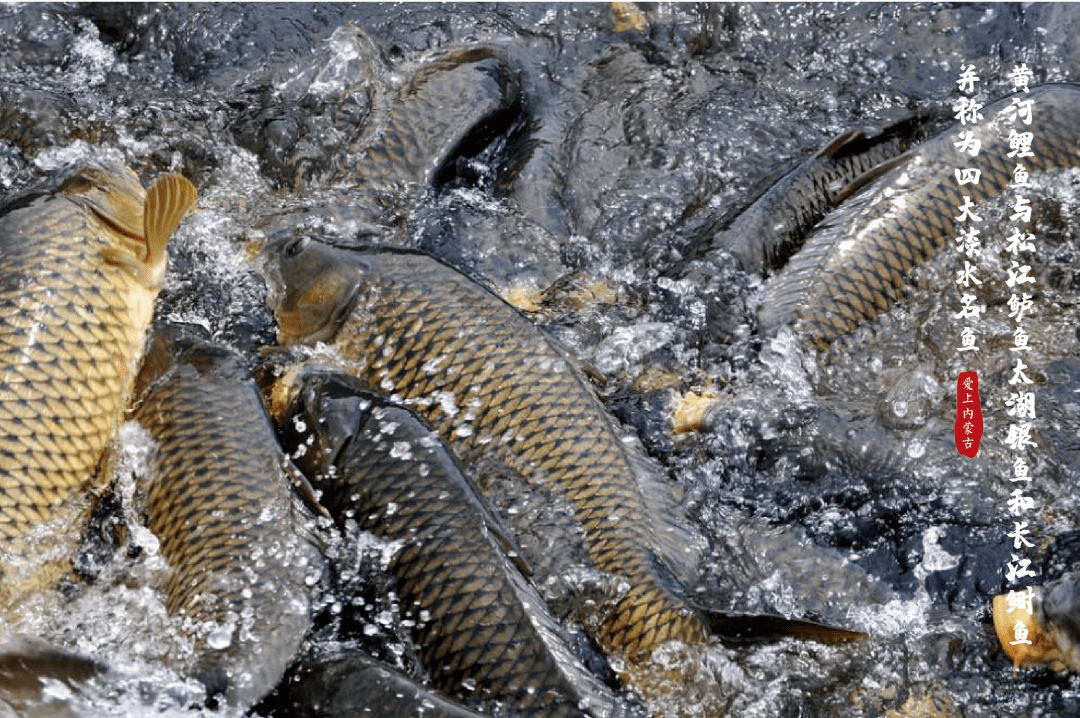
827,482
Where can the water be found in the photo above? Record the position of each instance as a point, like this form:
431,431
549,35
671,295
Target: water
827,483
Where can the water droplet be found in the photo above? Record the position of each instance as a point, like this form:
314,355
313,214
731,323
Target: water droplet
221,637
916,448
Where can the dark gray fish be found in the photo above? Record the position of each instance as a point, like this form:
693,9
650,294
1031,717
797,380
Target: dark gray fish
357,686
773,228
221,504
34,119
855,264
498,391
28,666
482,632
451,107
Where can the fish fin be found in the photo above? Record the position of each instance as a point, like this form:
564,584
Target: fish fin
595,375
24,661
786,292
166,204
760,628
124,259
869,176
593,697
305,493
677,547
839,145
503,537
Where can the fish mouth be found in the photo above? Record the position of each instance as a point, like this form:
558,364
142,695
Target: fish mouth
269,265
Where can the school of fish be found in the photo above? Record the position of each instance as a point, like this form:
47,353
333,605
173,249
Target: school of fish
411,401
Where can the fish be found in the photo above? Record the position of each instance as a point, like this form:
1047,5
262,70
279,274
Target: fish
81,262
1049,619
450,106
220,499
856,262
764,235
353,685
497,389
30,672
482,632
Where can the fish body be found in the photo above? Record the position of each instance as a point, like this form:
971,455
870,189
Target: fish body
1051,616
854,266
771,229
357,685
499,392
223,509
482,632
80,268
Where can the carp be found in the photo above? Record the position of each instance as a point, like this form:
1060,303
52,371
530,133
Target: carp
221,504
855,264
81,263
31,672
497,390
357,685
482,632
1041,626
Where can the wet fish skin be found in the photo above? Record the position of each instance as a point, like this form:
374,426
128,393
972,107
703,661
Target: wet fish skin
855,265
357,685
498,390
81,263
451,106
25,666
223,509
481,631
769,231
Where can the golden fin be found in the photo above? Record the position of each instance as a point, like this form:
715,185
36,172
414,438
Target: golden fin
123,258
166,204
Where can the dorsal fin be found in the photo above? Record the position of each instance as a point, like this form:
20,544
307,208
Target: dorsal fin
166,204
857,183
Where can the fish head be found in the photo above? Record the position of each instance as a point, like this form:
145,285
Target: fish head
113,193
326,409
313,286
139,223
172,345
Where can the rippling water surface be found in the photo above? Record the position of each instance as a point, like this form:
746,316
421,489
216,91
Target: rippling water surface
827,483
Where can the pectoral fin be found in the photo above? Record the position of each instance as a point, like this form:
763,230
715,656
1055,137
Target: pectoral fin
166,204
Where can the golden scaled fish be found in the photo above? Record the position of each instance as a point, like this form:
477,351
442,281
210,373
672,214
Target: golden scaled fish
481,631
497,390
1040,626
221,504
80,267
855,264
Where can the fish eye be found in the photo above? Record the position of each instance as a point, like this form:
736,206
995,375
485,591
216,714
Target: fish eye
296,246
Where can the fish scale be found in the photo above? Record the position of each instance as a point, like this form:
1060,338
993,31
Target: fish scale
481,631
222,508
537,414
855,265
75,301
